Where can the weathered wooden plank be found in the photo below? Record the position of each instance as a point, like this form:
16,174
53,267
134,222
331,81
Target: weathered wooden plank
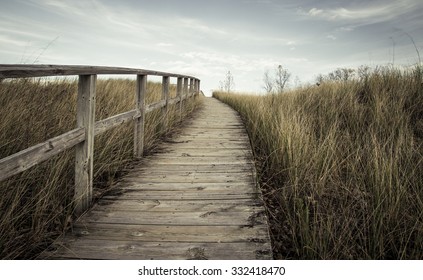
34,155
206,168
209,135
233,130
153,177
116,120
197,188
209,218
168,233
26,71
157,205
190,178
154,106
172,101
84,151
207,144
203,138
126,250
181,160
162,103
205,152
175,195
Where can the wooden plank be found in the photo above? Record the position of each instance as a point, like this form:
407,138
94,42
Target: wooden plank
217,133
141,89
190,178
34,155
34,70
118,216
84,150
154,106
203,218
181,195
116,120
214,152
206,168
168,233
156,205
178,160
210,143
126,250
173,101
200,137
197,188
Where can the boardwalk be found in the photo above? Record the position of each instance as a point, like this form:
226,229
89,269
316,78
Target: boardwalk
196,199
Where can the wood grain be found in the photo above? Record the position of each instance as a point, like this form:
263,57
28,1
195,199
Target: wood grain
26,71
29,157
84,151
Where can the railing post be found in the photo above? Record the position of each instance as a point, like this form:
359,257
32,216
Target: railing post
191,85
197,87
141,89
165,96
84,151
185,91
179,95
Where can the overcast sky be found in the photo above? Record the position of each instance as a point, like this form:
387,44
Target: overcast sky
208,38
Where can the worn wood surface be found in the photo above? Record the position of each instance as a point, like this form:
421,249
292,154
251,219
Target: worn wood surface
84,151
34,155
141,91
40,70
195,199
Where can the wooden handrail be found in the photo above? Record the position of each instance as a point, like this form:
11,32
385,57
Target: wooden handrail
42,70
82,138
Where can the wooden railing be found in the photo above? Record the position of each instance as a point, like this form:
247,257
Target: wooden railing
82,137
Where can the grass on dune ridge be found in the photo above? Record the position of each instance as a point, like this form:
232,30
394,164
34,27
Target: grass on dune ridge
341,165
35,206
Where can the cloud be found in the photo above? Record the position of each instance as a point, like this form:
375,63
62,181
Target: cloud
77,8
7,40
363,12
332,37
197,25
315,12
346,28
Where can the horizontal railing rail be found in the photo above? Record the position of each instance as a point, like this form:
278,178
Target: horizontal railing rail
82,137
27,71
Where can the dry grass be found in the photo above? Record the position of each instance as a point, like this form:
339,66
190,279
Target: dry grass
341,166
36,204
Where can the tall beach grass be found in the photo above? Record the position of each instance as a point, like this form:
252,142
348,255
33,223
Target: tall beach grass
340,166
35,206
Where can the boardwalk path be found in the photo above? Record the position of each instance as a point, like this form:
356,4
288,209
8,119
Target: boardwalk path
197,199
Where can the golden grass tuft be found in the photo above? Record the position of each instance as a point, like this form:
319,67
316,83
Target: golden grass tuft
341,166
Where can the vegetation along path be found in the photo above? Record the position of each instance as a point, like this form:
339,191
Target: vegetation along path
196,199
